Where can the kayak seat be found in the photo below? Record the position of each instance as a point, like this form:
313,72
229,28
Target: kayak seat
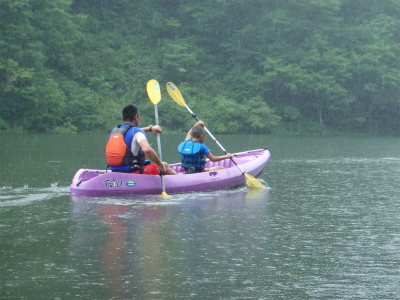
227,163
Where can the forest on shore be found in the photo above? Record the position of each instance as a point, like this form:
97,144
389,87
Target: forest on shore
243,66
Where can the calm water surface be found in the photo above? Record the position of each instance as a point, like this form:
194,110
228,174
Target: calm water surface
326,228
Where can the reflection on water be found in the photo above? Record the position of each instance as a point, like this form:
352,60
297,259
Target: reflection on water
150,246
113,256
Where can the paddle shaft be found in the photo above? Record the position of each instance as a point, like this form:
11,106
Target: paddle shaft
158,134
215,140
159,147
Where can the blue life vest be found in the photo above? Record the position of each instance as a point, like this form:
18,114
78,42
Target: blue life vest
192,156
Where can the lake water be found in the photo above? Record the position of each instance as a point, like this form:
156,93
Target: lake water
328,226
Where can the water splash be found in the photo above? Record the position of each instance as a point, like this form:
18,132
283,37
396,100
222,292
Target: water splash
25,195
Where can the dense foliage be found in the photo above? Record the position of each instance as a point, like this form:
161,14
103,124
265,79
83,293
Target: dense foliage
255,66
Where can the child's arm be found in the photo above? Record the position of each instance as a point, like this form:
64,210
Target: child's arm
189,134
218,158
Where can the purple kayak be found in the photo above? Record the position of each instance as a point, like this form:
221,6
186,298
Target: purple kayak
89,182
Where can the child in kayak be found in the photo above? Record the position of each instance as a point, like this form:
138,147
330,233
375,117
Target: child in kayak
194,152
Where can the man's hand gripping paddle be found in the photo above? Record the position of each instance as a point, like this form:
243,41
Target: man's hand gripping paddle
153,90
177,96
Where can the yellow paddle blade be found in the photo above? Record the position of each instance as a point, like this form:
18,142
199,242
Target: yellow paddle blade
153,90
164,195
253,182
175,94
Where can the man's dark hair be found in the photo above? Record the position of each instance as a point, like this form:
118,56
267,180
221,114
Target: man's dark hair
129,112
197,131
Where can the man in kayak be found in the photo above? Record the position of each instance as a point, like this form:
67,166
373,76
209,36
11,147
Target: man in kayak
128,148
194,152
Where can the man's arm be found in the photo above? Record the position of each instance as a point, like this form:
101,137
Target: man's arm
152,128
151,154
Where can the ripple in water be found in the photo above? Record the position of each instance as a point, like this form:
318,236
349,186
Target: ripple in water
10,197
